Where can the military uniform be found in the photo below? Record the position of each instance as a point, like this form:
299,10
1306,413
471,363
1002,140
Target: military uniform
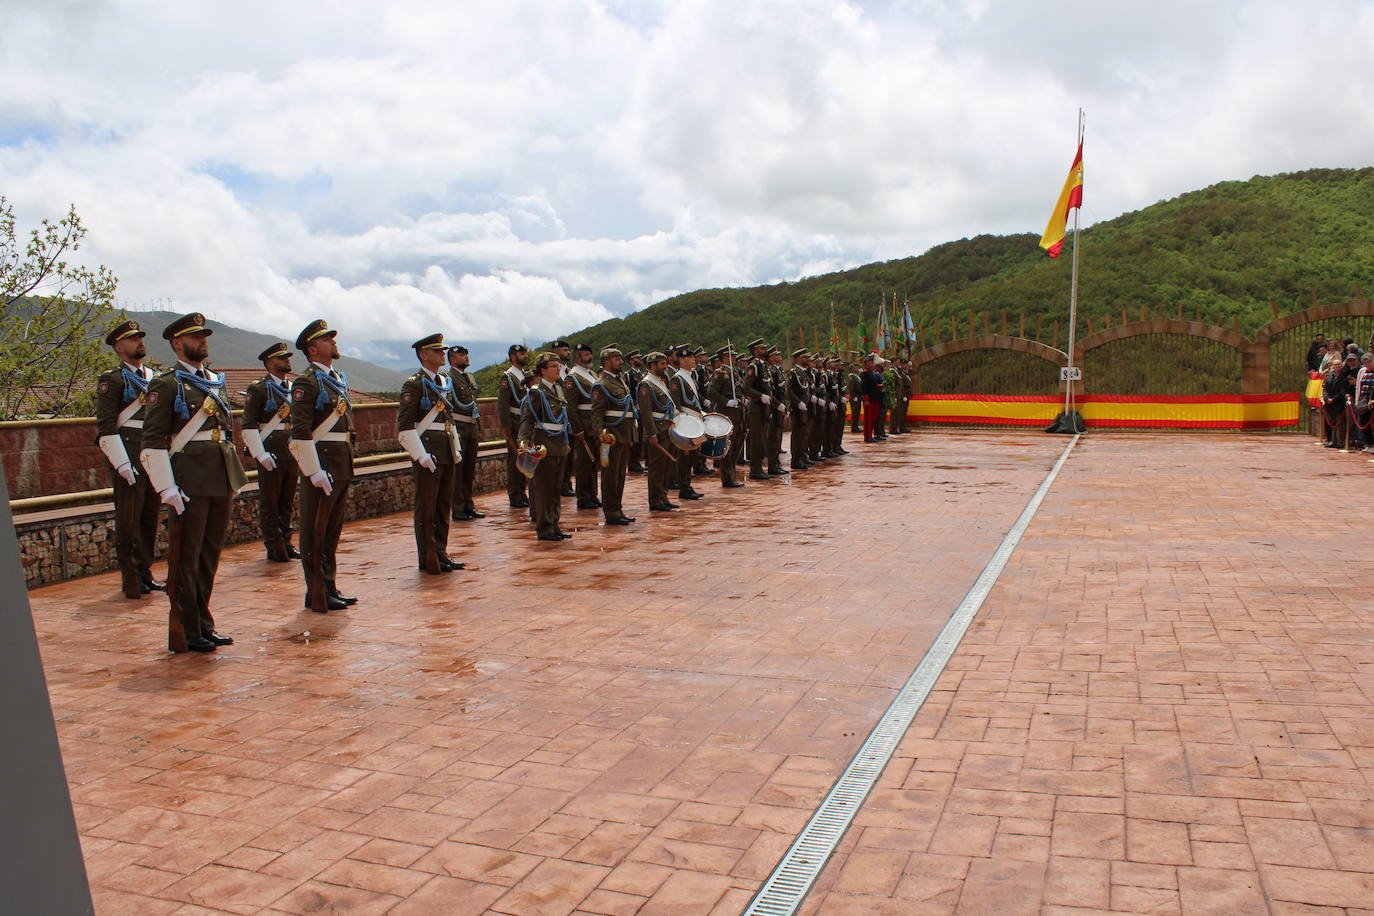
188,453
577,388
119,405
322,442
758,390
702,376
545,422
267,437
656,412
802,401
613,415
820,416
782,418
856,401
725,390
904,398
682,388
510,396
633,377
425,429
467,420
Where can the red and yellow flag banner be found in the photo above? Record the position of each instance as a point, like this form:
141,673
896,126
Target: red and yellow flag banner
1069,198
1124,411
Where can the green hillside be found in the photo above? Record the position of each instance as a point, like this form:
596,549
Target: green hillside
1229,250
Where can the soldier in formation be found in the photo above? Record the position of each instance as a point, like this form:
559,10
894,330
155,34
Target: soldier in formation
266,438
190,460
121,398
429,435
322,443
601,424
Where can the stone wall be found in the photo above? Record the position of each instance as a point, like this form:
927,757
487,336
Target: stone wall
51,457
64,544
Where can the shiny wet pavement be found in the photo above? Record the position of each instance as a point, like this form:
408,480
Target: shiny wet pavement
638,717
639,720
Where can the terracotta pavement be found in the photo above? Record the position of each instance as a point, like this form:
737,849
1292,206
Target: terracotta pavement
1164,705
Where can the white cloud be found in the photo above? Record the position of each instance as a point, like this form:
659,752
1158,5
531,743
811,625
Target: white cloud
519,170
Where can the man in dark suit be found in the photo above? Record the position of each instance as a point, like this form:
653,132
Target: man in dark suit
188,452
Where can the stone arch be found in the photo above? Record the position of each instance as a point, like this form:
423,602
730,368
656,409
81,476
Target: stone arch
987,342
1162,326
1354,308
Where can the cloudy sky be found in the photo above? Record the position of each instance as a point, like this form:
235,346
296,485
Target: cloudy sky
508,169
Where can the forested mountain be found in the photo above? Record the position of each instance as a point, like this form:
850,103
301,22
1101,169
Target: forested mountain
1229,250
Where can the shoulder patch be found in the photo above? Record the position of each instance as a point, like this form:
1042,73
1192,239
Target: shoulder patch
104,386
407,397
505,381
152,398
297,394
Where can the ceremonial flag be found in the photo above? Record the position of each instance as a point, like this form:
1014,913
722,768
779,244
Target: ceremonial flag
884,333
1069,198
834,328
862,330
908,329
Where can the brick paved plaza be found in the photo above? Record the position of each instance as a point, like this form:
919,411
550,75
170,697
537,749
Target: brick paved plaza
1164,705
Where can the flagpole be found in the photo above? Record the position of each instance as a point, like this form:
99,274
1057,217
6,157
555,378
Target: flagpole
1073,294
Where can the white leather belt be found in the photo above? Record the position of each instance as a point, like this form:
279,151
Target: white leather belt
584,407
618,413
514,410
464,418
332,437
551,427
208,435
132,424
658,416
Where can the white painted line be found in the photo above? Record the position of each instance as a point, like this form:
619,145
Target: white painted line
794,875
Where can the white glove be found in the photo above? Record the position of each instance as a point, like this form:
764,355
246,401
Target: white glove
801,405
765,399
813,399
267,460
126,470
833,405
733,402
321,479
172,496
782,408
428,463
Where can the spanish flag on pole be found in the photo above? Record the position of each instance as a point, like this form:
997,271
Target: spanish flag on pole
1069,198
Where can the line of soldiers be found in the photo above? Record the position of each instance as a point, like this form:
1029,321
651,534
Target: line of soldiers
566,422
570,431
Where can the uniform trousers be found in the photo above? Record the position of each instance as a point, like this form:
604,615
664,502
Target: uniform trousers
322,519
195,539
433,503
871,410
584,469
515,481
465,472
277,504
613,481
660,467
546,503
136,511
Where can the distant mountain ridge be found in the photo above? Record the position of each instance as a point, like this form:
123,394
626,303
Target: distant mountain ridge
1229,249
236,348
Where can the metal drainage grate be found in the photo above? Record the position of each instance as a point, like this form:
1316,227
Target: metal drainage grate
799,867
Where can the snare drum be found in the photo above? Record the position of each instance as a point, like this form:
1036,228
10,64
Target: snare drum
687,432
719,428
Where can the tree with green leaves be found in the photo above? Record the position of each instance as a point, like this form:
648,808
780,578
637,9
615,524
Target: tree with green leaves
53,314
